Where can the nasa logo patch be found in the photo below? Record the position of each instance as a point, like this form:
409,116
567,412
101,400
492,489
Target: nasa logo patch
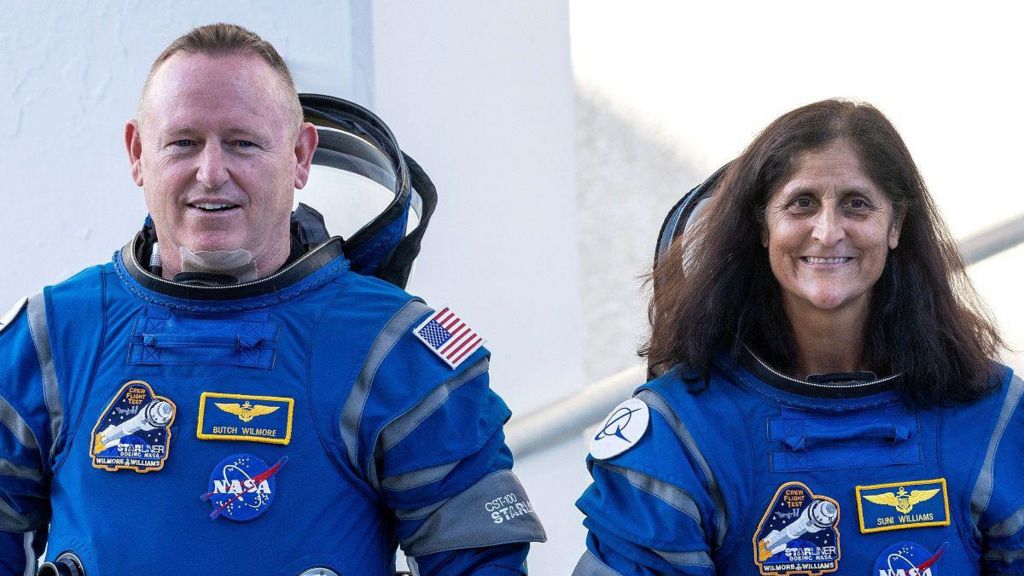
319,572
242,487
908,559
134,431
798,534
621,430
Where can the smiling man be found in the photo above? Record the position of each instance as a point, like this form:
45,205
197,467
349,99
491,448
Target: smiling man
219,146
230,397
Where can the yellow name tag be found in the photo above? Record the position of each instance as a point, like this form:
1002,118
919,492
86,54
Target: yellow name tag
901,505
245,418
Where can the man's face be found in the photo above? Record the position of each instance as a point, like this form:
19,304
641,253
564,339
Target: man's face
219,155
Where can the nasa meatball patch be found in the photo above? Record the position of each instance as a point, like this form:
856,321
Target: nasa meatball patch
908,559
134,431
799,533
242,487
621,430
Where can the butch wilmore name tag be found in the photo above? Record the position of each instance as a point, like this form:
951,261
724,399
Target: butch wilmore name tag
901,505
245,418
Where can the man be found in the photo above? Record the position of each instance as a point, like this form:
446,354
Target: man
230,400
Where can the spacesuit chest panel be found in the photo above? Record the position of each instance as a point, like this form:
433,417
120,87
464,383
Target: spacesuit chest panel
804,439
244,339
858,491
197,437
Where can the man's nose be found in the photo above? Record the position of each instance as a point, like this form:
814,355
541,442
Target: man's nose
828,227
212,171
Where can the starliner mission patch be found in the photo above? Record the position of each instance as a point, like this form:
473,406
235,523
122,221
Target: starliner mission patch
799,533
134,431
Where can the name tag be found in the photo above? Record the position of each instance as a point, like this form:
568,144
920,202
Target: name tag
901,505
245,418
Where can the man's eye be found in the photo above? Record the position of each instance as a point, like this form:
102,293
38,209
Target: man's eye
183,143
245,144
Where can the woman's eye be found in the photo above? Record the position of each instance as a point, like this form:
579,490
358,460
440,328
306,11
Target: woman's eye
802,203
859,204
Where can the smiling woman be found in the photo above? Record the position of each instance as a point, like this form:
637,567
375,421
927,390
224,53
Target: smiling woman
830,180
824,377
828,230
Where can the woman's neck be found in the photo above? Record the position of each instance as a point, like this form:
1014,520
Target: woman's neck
828,341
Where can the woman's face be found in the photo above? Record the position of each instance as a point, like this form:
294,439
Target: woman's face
828,231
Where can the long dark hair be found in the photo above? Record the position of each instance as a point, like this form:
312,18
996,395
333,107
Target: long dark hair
714,288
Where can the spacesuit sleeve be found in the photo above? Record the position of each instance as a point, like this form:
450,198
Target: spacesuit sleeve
27,412
998,498
431,444
649,510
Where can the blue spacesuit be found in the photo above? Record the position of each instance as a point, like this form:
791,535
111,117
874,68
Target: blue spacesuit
304,423
753,472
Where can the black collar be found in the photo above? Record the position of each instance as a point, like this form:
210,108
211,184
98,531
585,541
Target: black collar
836,385
133,253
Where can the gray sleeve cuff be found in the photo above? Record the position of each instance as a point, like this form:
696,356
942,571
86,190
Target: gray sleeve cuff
494,511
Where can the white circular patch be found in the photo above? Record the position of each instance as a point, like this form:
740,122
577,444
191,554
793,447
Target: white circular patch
621,430
319,572
11,314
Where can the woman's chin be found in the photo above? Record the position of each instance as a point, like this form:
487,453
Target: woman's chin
829,301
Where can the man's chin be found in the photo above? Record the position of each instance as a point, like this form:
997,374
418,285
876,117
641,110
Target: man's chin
214,242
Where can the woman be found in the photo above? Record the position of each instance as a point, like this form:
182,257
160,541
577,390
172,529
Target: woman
825,399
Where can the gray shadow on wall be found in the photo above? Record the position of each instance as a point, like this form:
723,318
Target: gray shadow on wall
627,180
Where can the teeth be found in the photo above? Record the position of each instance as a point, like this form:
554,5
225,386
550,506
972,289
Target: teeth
814,260
212,206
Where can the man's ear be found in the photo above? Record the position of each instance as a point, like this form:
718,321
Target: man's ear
133,144
305,146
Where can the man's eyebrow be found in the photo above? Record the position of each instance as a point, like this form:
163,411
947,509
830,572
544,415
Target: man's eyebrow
175,133
246,132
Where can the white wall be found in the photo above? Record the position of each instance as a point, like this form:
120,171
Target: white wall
70,75
481,93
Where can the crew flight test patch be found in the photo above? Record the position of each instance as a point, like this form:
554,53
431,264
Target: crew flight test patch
798,534
134,431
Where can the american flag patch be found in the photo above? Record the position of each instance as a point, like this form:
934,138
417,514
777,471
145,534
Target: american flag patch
448,337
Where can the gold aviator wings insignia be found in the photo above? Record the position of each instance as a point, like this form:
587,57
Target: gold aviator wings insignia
247,411
901,500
